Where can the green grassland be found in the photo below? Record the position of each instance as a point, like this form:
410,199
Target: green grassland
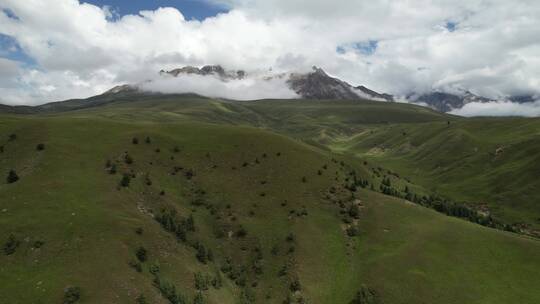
265,184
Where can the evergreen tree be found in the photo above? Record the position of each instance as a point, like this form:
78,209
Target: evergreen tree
72,294
11,245
198,299
125,180
128,159
201,253
112,169
141,254
141,299
12,177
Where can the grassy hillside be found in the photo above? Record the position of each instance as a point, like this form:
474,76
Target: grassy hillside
490,163
196,199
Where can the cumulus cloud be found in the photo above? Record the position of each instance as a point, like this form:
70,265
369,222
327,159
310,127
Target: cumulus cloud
499,108
79,49
239,89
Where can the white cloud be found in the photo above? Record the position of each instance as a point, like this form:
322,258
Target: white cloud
500,108
251,88
494,51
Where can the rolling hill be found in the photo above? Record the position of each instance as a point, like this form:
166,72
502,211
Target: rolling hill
186,199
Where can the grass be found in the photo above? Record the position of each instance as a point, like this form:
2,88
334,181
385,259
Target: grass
249,161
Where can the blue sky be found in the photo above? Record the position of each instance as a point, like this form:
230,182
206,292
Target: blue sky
191,9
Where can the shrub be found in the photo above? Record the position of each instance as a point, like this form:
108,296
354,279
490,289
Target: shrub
12,137
354,211
198,299
141,299
128,159
295,286
139,230
201,282
190,223
364,296
72,294
290,237
154,269
169,292
242,232
38,244
11,245
141,254
217,281
148,140
352,231
135,141
40,147
135,265
112,169
201,253
126,178
12,177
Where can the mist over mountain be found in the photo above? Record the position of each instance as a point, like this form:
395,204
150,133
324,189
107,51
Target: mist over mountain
218,82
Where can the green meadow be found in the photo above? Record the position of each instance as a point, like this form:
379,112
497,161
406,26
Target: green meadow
184,199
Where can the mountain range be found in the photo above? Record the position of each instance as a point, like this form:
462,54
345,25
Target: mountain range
315,85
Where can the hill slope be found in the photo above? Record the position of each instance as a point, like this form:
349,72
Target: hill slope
280,217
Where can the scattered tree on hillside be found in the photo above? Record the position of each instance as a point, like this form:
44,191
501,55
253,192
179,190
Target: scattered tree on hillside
40,147
295,285
128,159
190,223
141,299
141,254
364,296
11,245
12,137
198,299
135,141
201,253
126,178
112,169
72,294
217,281
242,232
201,281
354,211
148,140
12,177
352,231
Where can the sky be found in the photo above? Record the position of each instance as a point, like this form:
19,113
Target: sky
59,49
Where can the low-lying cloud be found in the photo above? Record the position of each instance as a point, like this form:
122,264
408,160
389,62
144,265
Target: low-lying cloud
78,50
499,108
237,89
